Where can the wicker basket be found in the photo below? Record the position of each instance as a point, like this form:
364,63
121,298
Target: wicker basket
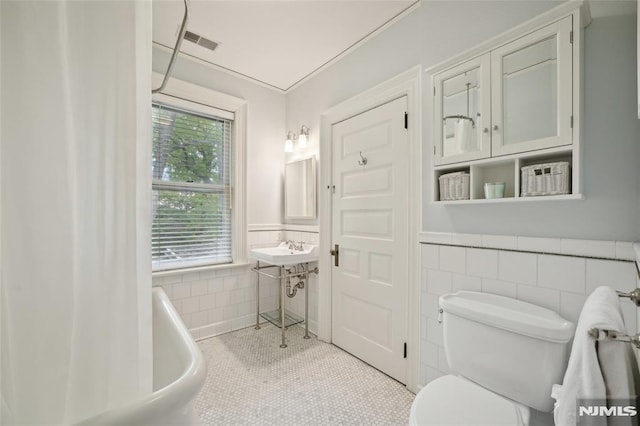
454,186
546,179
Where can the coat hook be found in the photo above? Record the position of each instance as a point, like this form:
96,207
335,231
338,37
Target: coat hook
364,160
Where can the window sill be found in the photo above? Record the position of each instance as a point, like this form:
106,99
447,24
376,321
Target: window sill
206,268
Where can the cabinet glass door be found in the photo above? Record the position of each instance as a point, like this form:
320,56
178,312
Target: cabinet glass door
532,91
462,111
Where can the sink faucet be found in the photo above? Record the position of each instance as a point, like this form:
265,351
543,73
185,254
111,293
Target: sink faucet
294,246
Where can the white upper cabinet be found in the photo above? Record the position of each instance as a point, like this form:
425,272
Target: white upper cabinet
507,114
515,97
531,82
463,109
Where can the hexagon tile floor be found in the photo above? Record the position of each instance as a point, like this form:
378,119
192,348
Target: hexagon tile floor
251,381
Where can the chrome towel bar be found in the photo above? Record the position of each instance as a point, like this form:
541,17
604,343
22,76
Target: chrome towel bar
633,295
610,335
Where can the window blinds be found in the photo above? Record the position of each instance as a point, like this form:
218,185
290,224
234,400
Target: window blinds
191,223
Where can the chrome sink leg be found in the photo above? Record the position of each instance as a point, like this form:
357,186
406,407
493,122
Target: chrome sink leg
306,304
283,294
257,327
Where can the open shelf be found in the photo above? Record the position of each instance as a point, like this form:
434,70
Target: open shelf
515,199
274,318
507,169
494,172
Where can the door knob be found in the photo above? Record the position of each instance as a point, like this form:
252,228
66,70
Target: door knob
336,255
495,127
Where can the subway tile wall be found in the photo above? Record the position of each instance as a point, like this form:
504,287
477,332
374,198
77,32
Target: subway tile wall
560,283
218,301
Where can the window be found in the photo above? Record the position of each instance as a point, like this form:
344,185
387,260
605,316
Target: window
192,188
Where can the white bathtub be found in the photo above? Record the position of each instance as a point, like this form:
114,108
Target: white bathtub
179,372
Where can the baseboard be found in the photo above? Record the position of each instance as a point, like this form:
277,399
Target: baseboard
227,326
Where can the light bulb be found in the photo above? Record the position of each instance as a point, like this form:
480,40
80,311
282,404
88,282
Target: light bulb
302,141
288,145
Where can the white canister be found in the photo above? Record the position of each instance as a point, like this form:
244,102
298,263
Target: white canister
494,190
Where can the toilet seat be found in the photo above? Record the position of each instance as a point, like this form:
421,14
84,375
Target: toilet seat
453,400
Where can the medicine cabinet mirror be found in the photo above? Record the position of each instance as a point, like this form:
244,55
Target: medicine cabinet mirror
463,110
300,189
532,91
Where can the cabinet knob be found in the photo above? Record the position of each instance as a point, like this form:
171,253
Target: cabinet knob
485,130
495,127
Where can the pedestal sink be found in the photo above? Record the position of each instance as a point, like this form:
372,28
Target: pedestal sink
282,255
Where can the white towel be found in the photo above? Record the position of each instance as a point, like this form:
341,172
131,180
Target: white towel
603,371
450,141
463,135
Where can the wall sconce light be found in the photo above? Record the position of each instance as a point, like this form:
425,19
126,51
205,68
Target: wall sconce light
288,144
303,139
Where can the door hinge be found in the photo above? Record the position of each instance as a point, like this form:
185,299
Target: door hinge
434,150
571,121
405,349
434,91
571,37
406,120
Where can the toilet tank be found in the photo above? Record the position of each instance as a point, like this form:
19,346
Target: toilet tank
513,348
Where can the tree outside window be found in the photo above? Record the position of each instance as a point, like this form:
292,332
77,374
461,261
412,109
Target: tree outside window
191,189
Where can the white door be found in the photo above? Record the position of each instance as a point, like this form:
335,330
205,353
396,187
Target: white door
370,226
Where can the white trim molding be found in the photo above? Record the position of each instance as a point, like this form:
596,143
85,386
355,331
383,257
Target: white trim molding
255,227
222,268
183,90
406,84
409,10
283,227
300,228
600,249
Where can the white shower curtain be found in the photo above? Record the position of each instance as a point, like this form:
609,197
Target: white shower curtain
75,208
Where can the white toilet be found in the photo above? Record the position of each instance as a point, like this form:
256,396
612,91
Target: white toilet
505,354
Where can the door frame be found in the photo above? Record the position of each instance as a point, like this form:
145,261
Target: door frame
406,84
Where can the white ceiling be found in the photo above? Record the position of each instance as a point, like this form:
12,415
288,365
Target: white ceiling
278,43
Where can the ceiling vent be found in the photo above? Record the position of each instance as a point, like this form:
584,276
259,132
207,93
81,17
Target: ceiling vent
200,41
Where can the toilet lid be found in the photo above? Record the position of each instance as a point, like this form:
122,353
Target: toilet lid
452,400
